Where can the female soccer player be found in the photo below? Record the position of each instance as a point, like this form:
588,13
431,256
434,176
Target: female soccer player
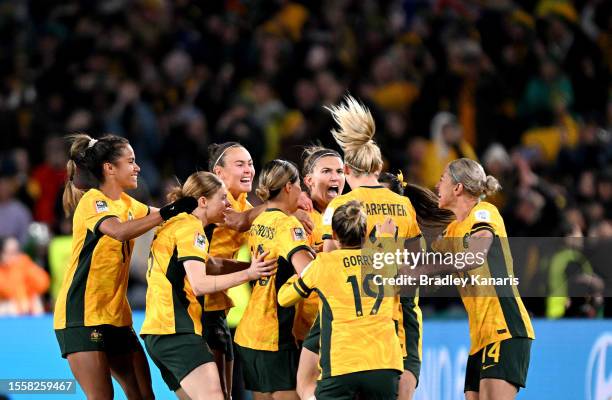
500,328
323,172
233,164
266,344
172,329
353,358
363,164
93,320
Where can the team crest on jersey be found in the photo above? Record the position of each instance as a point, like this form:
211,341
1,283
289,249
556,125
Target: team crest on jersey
200,241
298,234
483,215
101,206
96,336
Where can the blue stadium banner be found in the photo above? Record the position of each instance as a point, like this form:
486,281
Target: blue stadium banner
569,359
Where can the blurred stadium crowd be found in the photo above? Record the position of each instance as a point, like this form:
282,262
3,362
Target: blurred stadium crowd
523,86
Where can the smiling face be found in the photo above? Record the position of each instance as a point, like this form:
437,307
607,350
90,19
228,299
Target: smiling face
326,181
446,190
216,205
124,169
237,171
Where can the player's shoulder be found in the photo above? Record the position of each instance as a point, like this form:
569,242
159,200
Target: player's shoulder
183,222
485,212
93,201
340,200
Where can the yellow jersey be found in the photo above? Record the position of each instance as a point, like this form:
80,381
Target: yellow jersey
315,239
357,320
306,310
172,307
381,203
94,289
224,243
265,325
495,313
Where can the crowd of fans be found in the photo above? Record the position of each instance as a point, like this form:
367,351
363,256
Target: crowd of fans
523,86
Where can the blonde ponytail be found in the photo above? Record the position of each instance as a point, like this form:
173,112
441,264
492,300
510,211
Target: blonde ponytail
274,176
354,136
473,178
491,186
199,184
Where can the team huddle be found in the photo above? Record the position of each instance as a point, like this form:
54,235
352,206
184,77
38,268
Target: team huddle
312,327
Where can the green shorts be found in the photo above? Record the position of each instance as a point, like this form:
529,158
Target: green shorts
412,332
107,338
507,360
312,340
176,355
380,384
269,371
217,333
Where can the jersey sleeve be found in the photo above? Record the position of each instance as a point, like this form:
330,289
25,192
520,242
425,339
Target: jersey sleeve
191,243
95,210
292,238
299,287
484,219
140,210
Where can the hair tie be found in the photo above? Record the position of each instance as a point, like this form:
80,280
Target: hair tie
400,178
92,142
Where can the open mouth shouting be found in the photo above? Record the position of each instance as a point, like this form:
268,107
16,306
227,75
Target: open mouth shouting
333,191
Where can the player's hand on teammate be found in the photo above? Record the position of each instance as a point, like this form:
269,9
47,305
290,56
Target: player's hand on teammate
234,220
387,228
305,203
305,220
184,204
260,267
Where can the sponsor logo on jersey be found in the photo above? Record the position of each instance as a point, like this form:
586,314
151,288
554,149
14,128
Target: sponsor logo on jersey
101,206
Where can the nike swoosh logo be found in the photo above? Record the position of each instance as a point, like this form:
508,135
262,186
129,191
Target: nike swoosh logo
487,366
318,243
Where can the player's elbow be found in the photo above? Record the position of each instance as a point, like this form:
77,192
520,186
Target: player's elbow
200,290
285,300
118,234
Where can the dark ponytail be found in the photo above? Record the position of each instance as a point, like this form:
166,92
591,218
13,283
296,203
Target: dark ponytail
425,204
85,165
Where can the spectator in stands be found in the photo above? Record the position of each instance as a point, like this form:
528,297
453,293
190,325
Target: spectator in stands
446,144
22,282
14,215
48,179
